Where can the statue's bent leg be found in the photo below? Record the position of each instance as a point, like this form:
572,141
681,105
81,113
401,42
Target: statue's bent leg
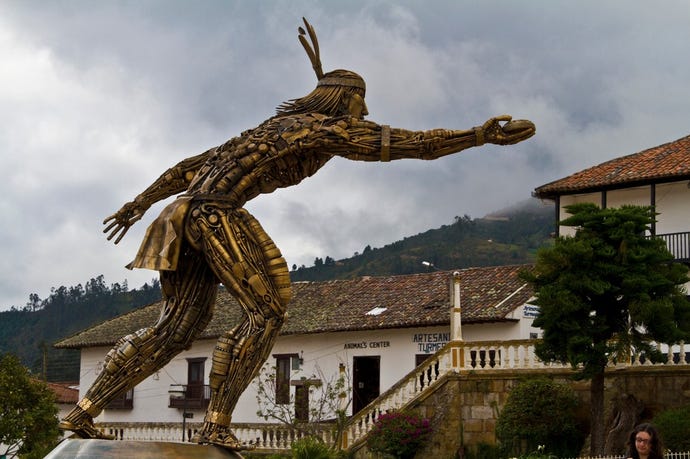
251,267
189,294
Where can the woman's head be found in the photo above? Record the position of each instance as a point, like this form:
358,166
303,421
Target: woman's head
644,441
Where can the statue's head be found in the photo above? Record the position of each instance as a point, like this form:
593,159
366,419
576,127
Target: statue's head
338,93
344,79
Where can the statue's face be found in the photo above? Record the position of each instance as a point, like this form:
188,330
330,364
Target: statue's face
357,107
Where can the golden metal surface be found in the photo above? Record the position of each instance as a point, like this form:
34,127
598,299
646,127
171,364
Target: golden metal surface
206,237
105,449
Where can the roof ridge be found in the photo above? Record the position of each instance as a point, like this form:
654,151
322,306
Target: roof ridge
663,162
411,300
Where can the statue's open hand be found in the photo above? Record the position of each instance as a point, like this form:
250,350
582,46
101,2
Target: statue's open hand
120,221
513,131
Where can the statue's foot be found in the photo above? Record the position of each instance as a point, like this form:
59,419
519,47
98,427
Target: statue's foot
221,437
84,430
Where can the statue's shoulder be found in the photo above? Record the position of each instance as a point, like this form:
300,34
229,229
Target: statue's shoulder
308,120
300,125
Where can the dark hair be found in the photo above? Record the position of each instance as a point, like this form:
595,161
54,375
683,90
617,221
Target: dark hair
657,447
329,98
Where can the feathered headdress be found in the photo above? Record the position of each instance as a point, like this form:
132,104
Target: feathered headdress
335,78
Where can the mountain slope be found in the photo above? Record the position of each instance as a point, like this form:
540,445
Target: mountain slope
510,236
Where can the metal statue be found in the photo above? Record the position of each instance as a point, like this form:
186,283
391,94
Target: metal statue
206,237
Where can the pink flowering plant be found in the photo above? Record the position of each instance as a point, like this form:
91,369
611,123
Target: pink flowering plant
398,434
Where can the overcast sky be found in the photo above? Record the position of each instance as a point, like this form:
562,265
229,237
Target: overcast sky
98,98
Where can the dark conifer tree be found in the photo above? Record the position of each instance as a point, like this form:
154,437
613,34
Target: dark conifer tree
606,292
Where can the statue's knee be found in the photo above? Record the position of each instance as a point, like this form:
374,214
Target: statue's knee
189,327
134,347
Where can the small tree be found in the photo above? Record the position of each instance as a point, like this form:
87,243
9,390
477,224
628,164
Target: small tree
28,415
328,403
539,412
605,292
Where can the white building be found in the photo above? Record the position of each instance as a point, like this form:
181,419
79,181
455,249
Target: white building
658,176
374,329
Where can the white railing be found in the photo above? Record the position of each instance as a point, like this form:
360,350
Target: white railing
519,354
456,357
259,436
668,455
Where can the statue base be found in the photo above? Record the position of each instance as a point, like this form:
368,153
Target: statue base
80,448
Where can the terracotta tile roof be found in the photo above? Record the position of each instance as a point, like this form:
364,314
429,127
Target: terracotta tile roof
667,162
64,392
487,294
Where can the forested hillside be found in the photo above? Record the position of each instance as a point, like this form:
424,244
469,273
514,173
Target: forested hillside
30,332
507,237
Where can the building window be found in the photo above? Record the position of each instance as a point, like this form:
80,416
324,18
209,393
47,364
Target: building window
302,397
283,368
195,377
124,401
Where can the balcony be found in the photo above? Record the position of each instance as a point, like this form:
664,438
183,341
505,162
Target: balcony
678,244
193,396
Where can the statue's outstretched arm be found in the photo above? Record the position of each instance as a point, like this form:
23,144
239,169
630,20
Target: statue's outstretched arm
173,181
500,130
368,141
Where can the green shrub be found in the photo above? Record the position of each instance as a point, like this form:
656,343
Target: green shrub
398,434
674,425
539,412
311,448
255,455
484,451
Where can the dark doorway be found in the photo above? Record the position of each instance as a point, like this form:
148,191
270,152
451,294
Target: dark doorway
420,359
365,381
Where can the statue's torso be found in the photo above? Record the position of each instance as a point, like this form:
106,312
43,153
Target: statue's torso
279,153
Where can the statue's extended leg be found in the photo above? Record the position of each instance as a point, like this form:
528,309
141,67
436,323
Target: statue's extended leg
189,294
253,270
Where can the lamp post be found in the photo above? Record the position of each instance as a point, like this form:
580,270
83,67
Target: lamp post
181,392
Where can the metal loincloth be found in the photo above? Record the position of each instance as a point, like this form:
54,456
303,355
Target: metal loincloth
160,249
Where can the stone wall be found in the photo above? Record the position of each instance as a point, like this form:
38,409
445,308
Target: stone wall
464,408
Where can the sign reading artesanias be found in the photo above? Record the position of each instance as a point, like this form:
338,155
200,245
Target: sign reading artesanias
428,343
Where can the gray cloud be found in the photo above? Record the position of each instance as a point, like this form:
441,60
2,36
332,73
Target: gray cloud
97,99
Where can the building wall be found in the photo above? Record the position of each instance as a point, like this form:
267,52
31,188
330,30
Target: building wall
525,315
567,200
321,356
672,204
